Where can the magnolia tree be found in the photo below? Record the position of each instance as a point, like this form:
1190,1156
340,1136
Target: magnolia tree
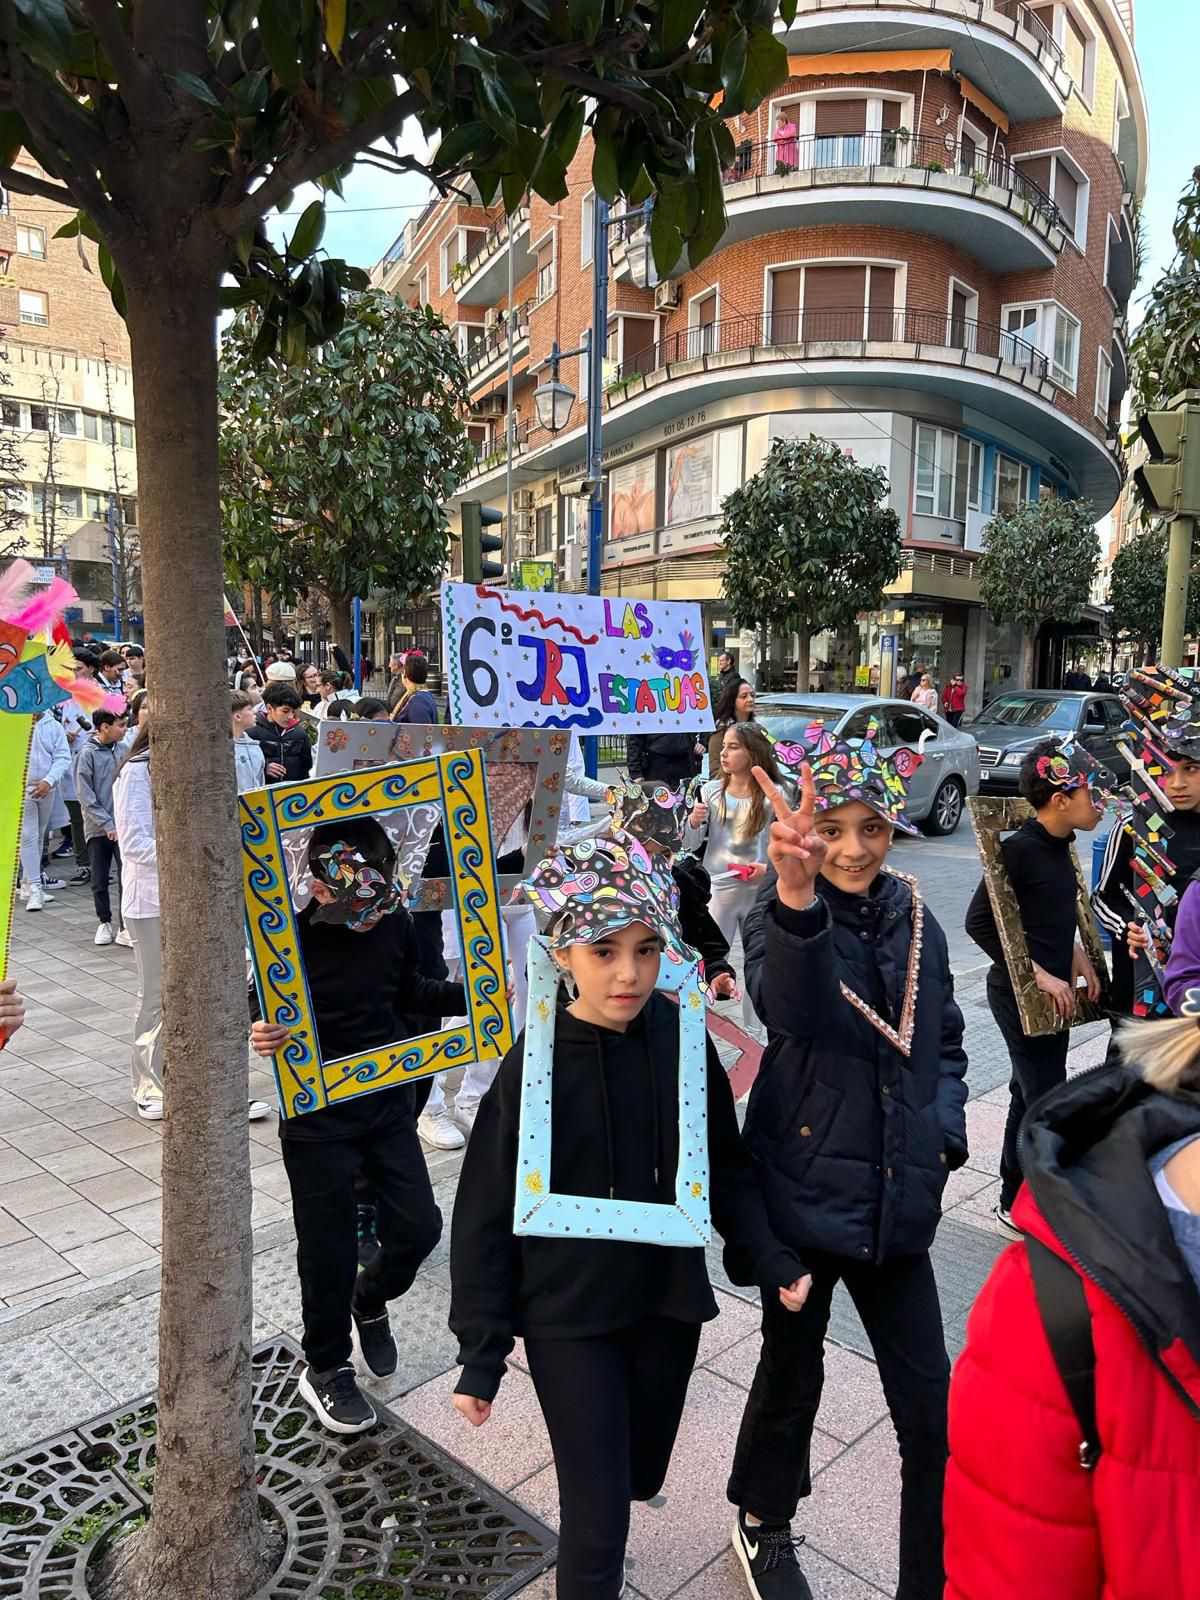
808,543
1039,562
1166,351
175,127
1137,591
335,469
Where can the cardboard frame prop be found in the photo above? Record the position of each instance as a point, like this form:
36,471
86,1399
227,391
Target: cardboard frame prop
455,781
351,746
536,1208
990,818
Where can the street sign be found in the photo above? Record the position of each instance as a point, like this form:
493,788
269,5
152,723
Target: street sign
44,574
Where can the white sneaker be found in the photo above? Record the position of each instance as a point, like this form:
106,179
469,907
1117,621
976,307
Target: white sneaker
464,1119
37,899
104,933
436,1128
258,1109
124,939
23,892
151,1108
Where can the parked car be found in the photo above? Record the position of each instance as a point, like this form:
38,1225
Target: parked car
1011,724
940,784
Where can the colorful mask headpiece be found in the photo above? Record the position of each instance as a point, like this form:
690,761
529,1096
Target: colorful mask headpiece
359,869
1167,706
845,770
650,811
595,887
1072,767
36,674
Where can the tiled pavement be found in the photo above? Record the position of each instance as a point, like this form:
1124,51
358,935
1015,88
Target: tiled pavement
79,1235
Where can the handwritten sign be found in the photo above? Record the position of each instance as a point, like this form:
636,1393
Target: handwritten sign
596,663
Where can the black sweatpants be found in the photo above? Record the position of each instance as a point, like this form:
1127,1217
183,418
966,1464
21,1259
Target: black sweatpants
321,1174
78,841
1039,1063
898,1303
102,854
612,1406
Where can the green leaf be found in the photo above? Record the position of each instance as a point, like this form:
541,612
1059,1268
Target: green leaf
710,210
308,233
671,221
585,17
461,143
678,23
45,31
766,66
335,25
733,72
197,88
604,168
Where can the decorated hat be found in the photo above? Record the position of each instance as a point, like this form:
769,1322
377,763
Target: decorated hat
1071,767
357,861
598,886
845,770
650,810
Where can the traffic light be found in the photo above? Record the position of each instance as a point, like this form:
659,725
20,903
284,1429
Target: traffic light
476,544
1169,482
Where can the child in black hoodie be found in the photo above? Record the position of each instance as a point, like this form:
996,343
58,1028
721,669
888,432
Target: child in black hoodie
611,1328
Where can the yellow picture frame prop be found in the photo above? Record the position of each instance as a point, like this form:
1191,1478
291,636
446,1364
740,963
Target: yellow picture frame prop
456,782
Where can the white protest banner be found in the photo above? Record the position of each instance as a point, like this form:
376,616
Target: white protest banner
595,663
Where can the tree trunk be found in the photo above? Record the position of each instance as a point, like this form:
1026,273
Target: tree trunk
341,623
803,654
277,623
1028,638
256,629
204,1540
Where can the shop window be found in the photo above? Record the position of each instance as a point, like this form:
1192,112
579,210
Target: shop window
700,473
1012,483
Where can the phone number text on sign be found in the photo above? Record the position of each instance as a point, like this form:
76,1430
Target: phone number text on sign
598,664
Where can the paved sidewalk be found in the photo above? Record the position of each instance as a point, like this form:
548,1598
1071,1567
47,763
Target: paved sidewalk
79,1273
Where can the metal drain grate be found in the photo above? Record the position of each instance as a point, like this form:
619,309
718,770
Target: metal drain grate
382,1514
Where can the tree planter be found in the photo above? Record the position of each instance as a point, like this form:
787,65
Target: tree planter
371,1517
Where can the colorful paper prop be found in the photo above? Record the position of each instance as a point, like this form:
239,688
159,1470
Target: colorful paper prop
598,664
523,765
651,811
1072,767
537,1208
360,878
1038,1013
454,782
596,886
845,770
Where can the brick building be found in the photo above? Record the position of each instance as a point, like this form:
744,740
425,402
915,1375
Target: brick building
928,259
69,410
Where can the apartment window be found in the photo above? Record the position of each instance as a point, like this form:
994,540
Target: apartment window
1078,45
125,435
95,505
543,525
1046,327
31,242
423,287
703,330
39,418
587,228
964,316
68,424
91,425
949,467
1103,383
636,344
70,502
972,150
1064,366
448,256
10,413
545,268
33,307
1061,180
1012,483
840,130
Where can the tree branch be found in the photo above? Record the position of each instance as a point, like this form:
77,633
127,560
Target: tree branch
306,165
114,41
25,183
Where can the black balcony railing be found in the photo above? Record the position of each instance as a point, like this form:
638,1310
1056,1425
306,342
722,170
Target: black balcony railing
845,325
822,154
490,342
494,231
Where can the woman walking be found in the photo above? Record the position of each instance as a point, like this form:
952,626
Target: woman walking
133,811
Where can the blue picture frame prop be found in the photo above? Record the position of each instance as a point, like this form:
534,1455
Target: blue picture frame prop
537,1209
455,781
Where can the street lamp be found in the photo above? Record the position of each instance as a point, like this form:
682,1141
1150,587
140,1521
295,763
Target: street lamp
552,400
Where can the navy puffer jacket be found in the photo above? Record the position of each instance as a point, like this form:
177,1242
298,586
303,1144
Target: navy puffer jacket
853,1140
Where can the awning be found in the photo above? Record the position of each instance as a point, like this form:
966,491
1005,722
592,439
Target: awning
978,98
852,62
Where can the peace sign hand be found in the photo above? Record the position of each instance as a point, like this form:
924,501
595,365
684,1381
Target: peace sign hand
795,850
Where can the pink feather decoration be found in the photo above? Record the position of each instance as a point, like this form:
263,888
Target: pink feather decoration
45,609
90,694
14,581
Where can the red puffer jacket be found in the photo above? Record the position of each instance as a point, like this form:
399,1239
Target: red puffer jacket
1024,1520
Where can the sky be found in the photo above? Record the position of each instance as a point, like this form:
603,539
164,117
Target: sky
1167,37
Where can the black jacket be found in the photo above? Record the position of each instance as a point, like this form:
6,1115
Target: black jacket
616,1130
289,746
1041,869
853,1140
669,757
695,919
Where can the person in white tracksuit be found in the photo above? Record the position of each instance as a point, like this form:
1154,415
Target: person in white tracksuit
133,812
49,764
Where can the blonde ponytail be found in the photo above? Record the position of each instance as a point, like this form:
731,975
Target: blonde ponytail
1167,1054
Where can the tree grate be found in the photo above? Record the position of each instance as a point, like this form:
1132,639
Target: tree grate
379,1516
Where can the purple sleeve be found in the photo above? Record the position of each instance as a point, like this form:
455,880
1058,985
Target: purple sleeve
1183,967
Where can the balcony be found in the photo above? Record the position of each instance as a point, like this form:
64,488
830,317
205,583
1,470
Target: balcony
1120,271
996,212
493,453
997,43
487,355
482,278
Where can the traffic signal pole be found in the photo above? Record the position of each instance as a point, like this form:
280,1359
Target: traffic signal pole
1179,567
1169,485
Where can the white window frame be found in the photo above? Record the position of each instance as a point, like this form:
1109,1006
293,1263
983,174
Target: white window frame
28,228
948,440
1120,100
972,308
1043,334
1083,184
1103,382
540,294
36,319
804,108
977,135
617,323
696,344
423,286
1064,378
587,227
899,297
1086,90
1023,468
451,245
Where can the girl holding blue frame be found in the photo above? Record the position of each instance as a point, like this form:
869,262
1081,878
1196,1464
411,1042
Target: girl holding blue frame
611,1319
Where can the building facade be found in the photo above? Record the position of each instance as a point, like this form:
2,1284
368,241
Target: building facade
66,403
928,259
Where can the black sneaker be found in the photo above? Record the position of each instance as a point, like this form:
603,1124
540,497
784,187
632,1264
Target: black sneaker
374,1344
368,1238
81,875
337,1400
768,1556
